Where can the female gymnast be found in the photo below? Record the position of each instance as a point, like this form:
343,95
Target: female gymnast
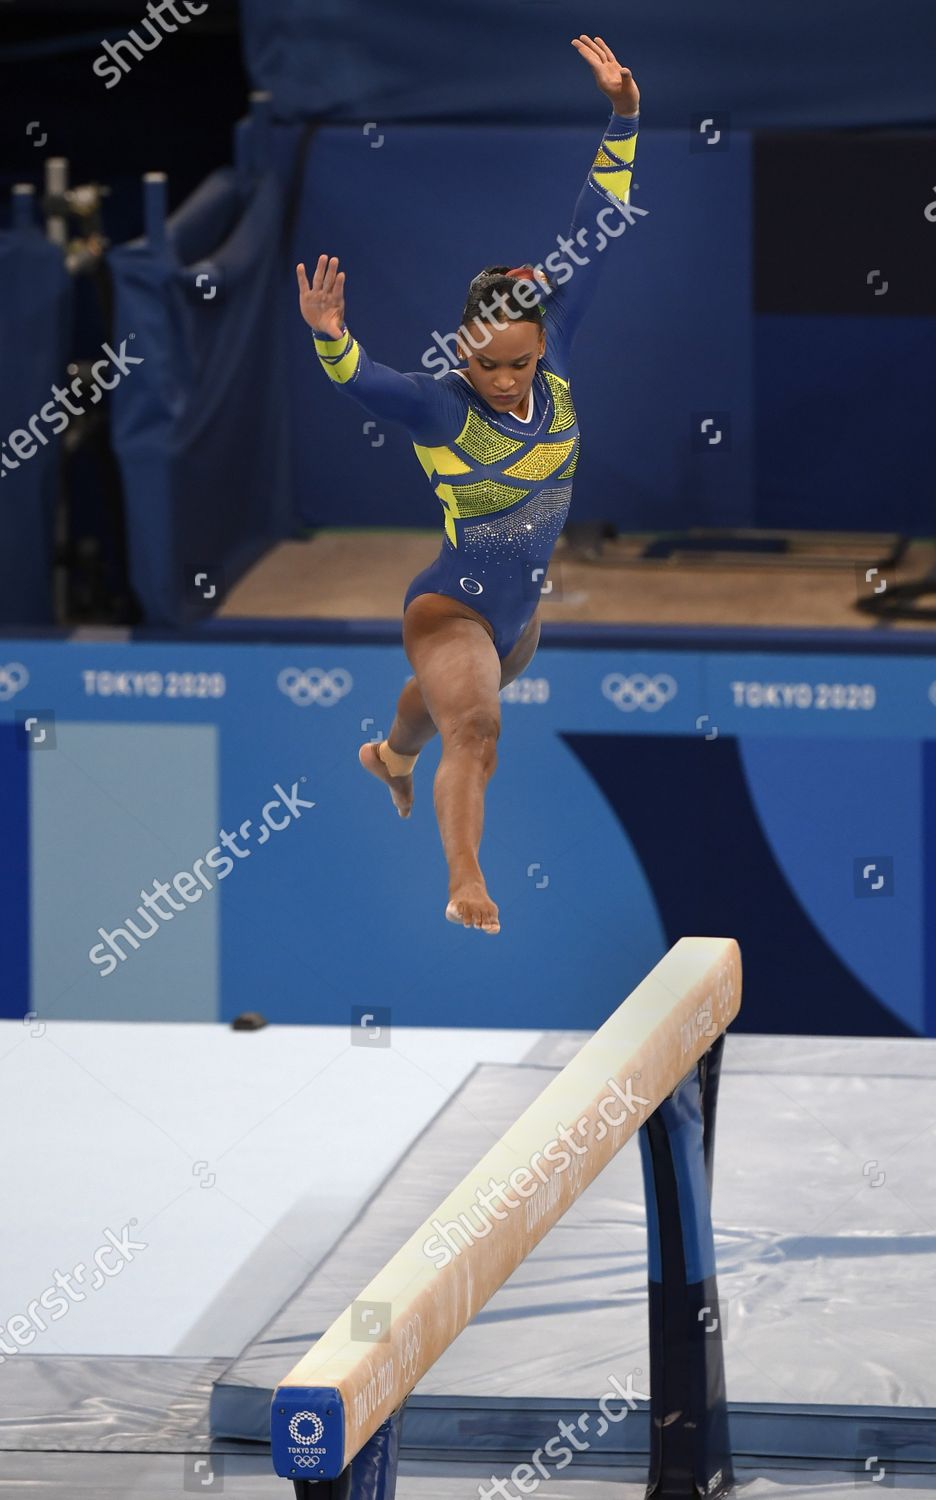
499,442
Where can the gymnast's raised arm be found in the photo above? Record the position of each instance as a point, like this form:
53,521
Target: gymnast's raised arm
602,212
413,400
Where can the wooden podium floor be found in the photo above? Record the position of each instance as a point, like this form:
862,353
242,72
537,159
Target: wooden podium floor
364,573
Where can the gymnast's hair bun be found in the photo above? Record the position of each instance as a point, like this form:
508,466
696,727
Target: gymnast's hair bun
503,279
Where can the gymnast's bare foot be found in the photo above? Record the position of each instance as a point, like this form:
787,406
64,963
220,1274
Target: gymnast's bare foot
470,904
401,787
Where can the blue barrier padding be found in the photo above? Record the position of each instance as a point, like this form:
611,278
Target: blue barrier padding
667,338
35,309
482,60
208,217
200,428
597,723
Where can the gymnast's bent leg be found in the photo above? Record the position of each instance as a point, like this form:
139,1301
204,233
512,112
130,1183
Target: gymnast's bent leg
413,726
392,761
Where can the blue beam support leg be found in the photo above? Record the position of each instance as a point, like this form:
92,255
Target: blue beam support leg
371,1475
690,1453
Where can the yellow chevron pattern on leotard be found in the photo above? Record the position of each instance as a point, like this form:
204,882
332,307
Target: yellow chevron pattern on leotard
340,357
487,448
449,511
564,415
618,156
440,460
571,467
437,461
541,461
483,442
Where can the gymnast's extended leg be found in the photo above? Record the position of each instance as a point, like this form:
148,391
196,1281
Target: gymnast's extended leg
458,678
459,675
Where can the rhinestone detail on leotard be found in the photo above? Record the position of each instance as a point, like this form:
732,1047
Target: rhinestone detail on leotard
529,531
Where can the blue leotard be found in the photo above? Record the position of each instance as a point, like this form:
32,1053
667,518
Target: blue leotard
505,484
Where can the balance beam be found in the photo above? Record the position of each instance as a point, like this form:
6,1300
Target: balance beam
365,1365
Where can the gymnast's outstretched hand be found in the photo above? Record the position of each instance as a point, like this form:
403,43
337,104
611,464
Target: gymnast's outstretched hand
613,80
322,304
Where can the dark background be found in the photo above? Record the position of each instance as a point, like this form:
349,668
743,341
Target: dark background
175,115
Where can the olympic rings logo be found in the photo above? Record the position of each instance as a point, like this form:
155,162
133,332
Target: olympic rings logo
475,586
639,691
13,678
314,686
412,1342
302,1461
318,1427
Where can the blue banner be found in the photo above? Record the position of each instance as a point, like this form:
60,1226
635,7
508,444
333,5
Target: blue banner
200,839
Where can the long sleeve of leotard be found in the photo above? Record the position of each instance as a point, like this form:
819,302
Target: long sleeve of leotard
602,215
417,401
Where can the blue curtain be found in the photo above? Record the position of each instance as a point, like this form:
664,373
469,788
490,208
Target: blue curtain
200,428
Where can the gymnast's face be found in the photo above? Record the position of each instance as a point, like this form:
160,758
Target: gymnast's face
502,359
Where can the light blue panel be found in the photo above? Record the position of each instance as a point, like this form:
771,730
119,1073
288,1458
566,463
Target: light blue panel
115,807
824,804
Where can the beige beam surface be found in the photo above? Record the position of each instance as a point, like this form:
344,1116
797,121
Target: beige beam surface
458,1258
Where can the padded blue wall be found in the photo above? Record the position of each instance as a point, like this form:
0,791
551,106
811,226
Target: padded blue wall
413,219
